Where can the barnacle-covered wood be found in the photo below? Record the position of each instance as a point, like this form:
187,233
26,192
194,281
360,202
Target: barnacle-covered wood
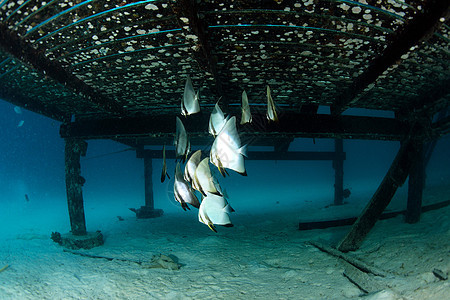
138,54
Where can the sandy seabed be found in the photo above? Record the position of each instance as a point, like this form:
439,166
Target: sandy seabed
264,256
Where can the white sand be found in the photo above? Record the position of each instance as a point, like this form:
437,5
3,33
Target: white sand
263,256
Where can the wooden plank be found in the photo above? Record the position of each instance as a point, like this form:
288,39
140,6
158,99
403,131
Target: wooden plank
187,9
338,165
148,170
350,259
74,148
253,155
350,221
19,48
441,127
394,178
415,187
16,98
417,30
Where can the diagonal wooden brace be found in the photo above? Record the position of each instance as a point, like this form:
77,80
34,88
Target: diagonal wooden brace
395,177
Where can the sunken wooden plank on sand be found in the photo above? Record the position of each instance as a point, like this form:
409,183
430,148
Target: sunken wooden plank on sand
348,258
4,268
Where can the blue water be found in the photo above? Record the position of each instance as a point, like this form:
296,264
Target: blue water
32,163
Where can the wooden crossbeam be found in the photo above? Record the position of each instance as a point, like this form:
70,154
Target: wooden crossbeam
19,48
289,125
419,29
16,98
255,155
441,127
415,186
203,55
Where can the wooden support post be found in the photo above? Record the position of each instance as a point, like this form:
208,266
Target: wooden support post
148,210
78,237
338,165
394,178
415,186
149,203
75,148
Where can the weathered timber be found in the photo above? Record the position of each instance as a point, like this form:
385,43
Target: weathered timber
415,186
441,127
148,171
255,155
395,177
283,145
309,108
75,148
338,165
15,97
442,118
367,283
87,241
429,101
203,55
350,221
350,259
148,210
419,29
289,125
19,48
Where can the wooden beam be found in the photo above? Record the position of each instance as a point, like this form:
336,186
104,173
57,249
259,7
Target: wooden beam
415,186
289,125
417,30
148,172
350,221
429,101
16,98
394,178
441,127
22,50
338,165
75,148
253,155
187,9
148,210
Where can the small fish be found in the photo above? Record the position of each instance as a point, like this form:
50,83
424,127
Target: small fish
189,104
17,110
183,191
271,111
182,144
164,168
216,120
246,116
214,210
27,198
191,165
226,151
204,179
21,122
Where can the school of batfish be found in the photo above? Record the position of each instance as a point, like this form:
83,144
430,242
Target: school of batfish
226,153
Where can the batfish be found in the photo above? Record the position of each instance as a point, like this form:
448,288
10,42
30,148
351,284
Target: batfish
246,116
182,144
271,111
204,179
164,168
214,210
191,165
226,151
183,191
189,104
216,120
